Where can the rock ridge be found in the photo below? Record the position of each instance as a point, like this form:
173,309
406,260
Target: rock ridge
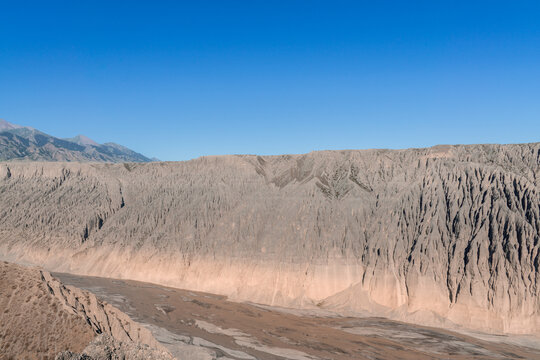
449,232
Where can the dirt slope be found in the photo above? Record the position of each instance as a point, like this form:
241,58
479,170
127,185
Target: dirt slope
40,317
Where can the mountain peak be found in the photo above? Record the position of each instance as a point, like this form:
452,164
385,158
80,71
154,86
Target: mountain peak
4,125
25,143
83,140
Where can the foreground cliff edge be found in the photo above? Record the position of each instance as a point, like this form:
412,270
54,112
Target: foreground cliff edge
43,319
445,236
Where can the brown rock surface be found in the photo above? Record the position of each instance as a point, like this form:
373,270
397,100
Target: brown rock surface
33,323
444,235
40,317
106,347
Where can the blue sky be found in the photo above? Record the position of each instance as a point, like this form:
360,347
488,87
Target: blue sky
178,80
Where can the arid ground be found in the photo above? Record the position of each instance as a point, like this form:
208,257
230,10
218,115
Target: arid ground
441,236
180,319
42,319
360,242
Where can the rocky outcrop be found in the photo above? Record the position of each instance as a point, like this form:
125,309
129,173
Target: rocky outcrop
101,316
40,317
33,323
106,347
445,234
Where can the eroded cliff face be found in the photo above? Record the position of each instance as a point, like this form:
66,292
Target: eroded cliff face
444,234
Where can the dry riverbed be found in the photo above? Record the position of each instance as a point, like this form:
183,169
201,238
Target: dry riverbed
194,325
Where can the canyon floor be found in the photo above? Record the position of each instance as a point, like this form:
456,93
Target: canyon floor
195,325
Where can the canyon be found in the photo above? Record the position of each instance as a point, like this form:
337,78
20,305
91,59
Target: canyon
446,236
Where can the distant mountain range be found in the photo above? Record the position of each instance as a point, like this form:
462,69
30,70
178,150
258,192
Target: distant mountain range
25,143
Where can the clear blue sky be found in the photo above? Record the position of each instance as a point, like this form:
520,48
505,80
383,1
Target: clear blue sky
179,80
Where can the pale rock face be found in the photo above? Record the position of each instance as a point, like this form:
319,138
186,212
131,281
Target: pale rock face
444,235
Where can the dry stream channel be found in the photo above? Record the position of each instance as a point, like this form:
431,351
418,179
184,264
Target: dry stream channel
194,325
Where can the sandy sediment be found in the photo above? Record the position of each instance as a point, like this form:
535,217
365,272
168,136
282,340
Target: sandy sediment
207,326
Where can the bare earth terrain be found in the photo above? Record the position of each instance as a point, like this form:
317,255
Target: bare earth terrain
34,324
40,318
447,236
219,328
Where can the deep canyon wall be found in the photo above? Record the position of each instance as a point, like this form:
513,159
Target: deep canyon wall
444,234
